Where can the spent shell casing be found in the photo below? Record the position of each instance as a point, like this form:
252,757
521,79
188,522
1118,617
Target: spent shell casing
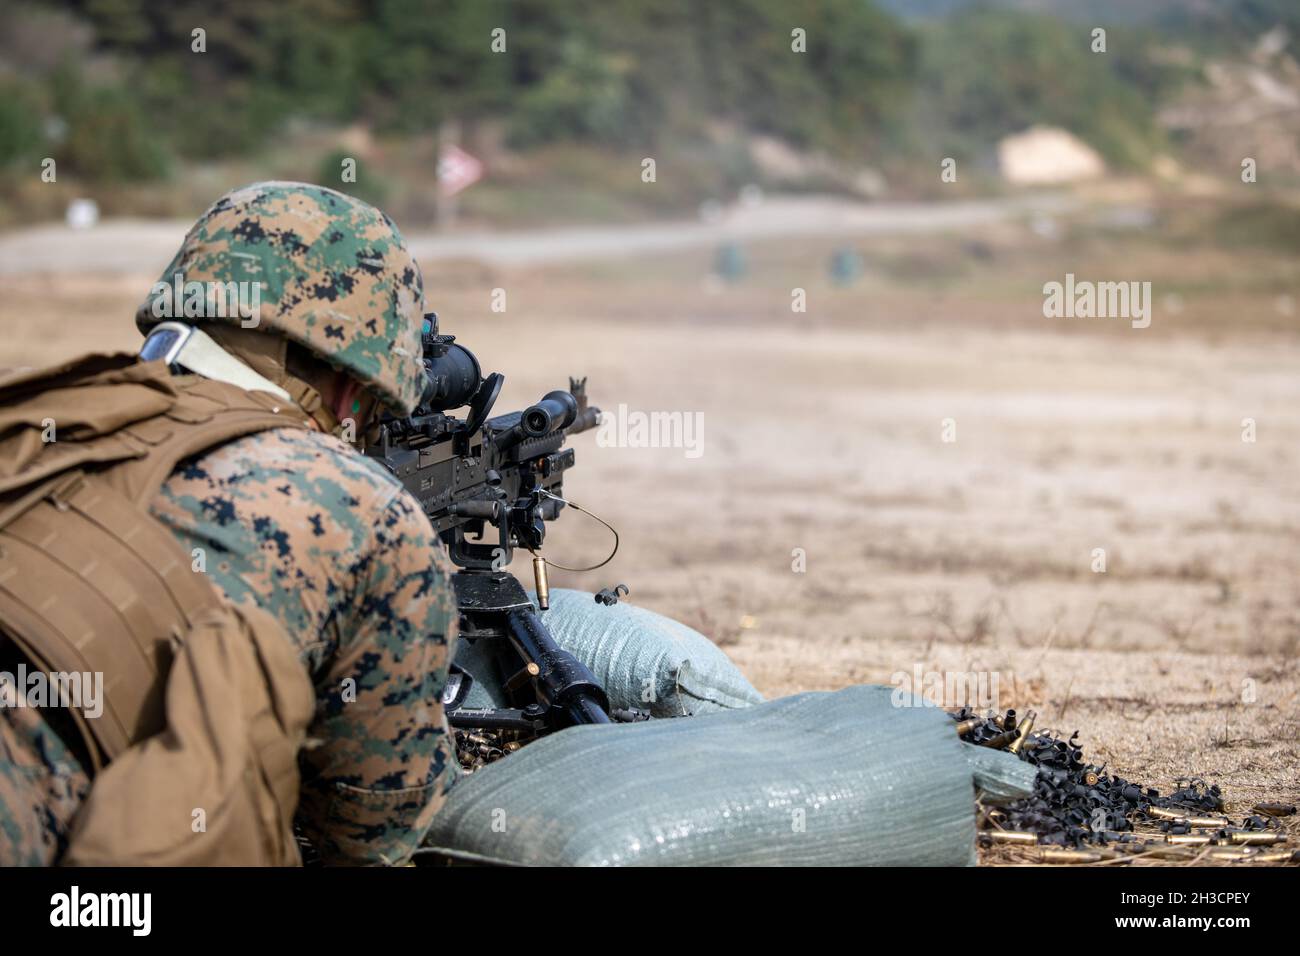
541,583
1256,837
1277,856
1015,837
1232,853
1275,809
1022,732
965,727
1001,740
1188,839
1091,778
1162,852
1070,856
1213,823
1164,813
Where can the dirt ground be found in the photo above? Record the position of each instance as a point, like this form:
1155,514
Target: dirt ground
824,431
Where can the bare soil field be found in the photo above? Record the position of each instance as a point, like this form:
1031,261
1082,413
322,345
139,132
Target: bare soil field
828,534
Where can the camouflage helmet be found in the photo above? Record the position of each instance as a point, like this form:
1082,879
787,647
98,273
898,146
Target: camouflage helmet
329,272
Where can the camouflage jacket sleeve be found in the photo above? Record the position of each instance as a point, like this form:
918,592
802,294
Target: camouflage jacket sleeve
299,524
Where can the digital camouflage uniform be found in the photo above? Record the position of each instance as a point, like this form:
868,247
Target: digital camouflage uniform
42,784
298,523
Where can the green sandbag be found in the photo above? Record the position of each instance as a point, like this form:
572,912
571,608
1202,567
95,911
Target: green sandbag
842,778
643,660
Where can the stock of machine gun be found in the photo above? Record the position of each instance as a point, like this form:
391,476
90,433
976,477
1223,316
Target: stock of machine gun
489,485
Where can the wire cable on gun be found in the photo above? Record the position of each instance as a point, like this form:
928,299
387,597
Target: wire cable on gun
590,514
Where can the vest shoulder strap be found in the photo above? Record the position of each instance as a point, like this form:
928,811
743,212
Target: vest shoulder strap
206,414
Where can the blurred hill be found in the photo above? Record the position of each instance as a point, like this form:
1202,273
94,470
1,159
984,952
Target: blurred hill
135,115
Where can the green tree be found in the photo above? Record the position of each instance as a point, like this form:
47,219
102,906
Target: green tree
986,73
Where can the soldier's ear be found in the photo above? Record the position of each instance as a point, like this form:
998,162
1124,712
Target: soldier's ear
347,393
352,400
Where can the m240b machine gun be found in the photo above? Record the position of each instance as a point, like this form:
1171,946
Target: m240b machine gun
489,485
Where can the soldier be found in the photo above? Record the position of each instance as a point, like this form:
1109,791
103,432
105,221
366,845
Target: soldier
294,521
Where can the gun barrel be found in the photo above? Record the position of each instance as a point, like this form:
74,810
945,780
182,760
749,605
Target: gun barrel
564,680
587,418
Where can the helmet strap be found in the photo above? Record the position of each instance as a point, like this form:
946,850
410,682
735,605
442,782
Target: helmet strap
310,401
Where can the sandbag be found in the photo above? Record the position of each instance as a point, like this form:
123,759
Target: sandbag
647,661
822,778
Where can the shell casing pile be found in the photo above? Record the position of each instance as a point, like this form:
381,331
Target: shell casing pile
1092,814
478,748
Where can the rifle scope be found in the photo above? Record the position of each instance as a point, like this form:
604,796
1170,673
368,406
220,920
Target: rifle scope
557,409
451,372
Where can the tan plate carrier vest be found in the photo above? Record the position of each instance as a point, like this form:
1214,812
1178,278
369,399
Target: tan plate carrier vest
204,705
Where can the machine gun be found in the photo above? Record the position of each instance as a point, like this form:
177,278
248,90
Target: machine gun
489,485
